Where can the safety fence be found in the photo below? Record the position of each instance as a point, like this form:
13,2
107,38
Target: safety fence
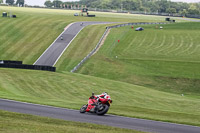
141,23
19,65
107,28
91,53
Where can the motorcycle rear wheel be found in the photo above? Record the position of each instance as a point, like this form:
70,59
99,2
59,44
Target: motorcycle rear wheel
103,110
83,109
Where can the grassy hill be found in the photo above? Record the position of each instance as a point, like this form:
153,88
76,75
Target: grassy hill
165,59
72,91
147,64
27,37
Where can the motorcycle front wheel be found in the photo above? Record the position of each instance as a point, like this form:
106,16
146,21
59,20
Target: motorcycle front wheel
102,109
83,109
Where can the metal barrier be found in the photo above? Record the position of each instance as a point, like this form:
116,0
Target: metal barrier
91,53
19,65
10,62
98,44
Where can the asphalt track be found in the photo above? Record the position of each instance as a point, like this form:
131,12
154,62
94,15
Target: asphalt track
189,19
56,49
109,120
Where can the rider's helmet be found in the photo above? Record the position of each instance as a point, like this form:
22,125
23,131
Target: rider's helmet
104,93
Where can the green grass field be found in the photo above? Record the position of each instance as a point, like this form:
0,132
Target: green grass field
165,59
152,69
21,123
72,91
27,37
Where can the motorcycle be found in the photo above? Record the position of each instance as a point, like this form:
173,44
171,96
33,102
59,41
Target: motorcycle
97,105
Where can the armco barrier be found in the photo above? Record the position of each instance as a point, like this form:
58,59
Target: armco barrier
10,62
91,53
19,65
98,44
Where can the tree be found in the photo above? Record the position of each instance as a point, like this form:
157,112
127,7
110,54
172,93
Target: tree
184,12
20,2
57,3
48,3
171,10
193,10
156,6
10,2
1,1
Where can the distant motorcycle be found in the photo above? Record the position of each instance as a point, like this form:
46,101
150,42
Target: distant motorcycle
97,105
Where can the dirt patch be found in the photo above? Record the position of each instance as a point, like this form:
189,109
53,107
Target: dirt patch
102,42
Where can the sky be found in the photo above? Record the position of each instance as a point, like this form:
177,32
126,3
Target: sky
41,2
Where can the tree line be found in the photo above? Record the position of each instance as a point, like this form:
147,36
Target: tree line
155,6
13,2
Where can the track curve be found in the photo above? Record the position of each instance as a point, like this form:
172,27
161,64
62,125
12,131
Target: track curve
52,54
109,120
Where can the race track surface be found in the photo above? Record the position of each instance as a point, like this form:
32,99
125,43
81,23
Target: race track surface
109,120
56,49
190,19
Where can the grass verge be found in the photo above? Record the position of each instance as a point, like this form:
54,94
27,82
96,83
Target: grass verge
22,123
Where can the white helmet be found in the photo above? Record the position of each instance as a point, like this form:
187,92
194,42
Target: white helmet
104,93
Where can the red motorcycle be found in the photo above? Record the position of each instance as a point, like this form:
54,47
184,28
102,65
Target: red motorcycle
97,105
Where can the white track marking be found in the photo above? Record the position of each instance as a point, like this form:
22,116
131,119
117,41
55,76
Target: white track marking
67,47
53,43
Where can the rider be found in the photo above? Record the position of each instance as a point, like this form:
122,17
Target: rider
101,97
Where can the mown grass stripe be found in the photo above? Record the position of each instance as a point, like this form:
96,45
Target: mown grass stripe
179,46
19,45
25,48
7,43
188,44
170,45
